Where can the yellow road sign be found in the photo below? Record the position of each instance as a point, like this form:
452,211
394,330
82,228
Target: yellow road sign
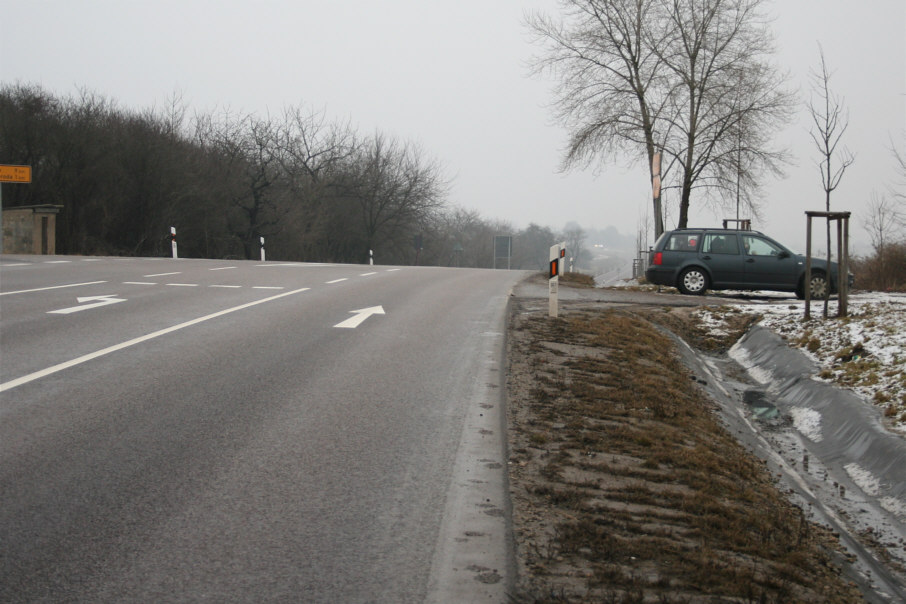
15,173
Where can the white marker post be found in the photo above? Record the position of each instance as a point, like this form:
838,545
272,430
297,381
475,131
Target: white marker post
553,280
370,257
173,241
262,249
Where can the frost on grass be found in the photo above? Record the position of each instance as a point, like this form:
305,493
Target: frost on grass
865,351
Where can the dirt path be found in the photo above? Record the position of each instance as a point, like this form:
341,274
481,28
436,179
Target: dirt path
625,485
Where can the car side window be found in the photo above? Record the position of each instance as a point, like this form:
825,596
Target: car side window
683,242
756,246
720,244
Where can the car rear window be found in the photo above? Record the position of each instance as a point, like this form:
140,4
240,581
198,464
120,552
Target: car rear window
683,242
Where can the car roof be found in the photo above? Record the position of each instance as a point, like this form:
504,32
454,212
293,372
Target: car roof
715,229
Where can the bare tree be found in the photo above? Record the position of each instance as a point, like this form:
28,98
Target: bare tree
689,78
612,87
881,220
898,191
728,99
574,236
250,169
829,123
395,187
310,151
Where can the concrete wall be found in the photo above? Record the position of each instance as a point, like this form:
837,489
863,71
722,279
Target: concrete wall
30,229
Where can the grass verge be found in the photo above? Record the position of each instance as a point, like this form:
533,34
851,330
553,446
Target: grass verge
626,487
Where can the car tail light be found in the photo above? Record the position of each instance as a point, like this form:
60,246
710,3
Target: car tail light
658,259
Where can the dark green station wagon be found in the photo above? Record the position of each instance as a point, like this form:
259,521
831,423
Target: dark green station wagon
696,260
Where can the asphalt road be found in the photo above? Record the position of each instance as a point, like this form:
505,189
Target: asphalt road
199,430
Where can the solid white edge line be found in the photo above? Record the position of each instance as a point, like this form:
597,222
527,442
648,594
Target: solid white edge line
116,347
41,289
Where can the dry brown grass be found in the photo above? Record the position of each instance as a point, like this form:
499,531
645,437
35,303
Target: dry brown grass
625,486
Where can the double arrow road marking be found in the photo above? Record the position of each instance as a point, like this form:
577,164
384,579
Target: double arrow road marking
95,301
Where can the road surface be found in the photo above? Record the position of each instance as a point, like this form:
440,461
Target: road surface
199,430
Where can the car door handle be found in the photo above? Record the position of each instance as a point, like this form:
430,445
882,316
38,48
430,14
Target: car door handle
750,260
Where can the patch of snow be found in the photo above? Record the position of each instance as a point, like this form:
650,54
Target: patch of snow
865,351
866,481
759,374
808,422
893,505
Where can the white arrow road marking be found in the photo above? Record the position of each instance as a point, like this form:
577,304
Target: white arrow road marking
117,347
97,301
360,316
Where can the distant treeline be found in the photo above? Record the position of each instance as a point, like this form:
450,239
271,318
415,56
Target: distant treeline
316,189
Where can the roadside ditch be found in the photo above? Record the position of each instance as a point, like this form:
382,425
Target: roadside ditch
634,477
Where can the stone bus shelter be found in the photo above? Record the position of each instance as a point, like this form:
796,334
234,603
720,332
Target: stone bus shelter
30,229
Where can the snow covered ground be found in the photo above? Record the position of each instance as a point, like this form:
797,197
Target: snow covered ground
865,351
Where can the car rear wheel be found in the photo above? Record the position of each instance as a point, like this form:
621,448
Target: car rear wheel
693,281
818,288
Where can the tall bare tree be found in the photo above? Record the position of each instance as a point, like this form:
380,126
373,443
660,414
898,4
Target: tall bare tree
612,88
395,187
829,123
728,100
247,146
689,78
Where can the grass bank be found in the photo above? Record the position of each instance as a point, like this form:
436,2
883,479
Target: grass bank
625,485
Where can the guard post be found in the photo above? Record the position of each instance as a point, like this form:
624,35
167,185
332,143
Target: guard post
553,278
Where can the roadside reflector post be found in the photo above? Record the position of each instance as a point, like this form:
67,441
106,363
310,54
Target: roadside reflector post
262,248
173,241
370,257
553,280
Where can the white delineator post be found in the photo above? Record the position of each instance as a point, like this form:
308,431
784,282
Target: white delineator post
370,257
553,280
262,248
173,241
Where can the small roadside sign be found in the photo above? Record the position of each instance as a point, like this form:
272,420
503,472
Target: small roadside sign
15,173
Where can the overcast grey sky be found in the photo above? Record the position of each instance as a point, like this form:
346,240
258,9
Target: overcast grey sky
453,76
